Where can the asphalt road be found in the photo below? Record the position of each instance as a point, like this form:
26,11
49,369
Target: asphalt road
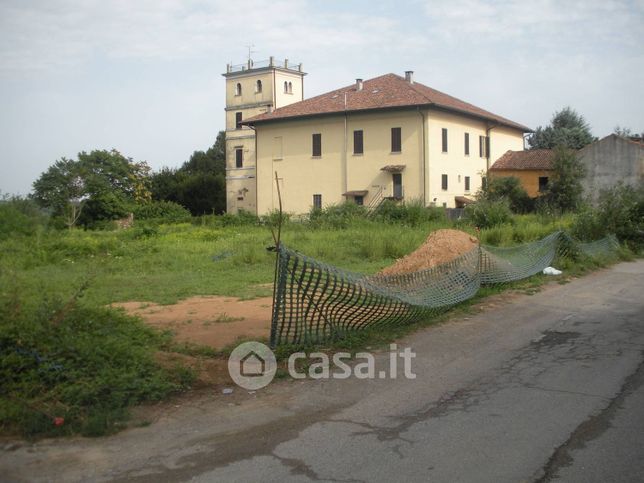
533,388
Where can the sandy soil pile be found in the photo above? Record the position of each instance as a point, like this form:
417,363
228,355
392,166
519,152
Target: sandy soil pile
441,246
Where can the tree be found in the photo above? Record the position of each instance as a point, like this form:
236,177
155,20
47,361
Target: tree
567,128
100,185
565,190
213,161
199,184
626,132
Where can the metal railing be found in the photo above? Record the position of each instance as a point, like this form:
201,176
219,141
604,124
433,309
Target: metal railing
259,64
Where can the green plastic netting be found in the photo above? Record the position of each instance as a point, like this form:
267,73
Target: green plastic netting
314,301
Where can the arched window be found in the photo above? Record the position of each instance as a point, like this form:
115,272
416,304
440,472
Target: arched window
258,87
238,89
285,87
290,88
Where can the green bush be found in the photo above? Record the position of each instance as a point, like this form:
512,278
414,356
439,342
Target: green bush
85,365
20,216
410,213
620,211
164,211
486,213
510,189
339,216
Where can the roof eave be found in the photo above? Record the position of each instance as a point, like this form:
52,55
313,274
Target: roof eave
517,126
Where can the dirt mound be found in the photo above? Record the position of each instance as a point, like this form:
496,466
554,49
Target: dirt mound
441,246
212,321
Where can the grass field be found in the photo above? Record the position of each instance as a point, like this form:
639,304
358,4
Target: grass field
64,354
166,263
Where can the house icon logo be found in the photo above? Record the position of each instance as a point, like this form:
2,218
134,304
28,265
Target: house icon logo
252,365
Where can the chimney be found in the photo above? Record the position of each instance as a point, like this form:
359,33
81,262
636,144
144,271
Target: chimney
409,76
269,108
358,84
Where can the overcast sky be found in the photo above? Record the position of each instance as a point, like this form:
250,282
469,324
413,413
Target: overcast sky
144,76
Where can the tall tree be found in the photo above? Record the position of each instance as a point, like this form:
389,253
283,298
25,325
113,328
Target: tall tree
567,128
100,185
212,161
565,190
199,184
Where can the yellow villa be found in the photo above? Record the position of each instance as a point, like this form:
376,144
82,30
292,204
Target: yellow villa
384,138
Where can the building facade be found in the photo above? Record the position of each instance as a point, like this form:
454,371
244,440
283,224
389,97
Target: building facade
253,88
387,137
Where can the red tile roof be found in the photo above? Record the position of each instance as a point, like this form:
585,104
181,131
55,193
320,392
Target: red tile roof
389,91
532,159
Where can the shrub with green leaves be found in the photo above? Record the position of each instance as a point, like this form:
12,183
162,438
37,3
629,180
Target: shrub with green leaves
68,368
486,213
20,216
341,215
164,211
410,213
509,188
620,211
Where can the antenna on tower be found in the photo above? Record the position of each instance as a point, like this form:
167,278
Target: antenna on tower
250,52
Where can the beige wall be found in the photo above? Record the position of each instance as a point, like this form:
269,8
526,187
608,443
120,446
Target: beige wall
529,178
286,147
455,163
282,98
503,139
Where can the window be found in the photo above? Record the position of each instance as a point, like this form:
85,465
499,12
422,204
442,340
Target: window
317,202
285,87
359,200
317,145
258,86
358,146
444,140
467,183
444,181
239,157
396,140
238,90
543,183
238,120
467,144
484,145
290,88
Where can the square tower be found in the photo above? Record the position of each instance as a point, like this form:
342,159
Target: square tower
253,88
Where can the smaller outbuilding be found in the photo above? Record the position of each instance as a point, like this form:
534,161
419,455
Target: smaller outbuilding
534,169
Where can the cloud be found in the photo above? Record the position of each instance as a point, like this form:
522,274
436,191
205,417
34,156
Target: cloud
52,34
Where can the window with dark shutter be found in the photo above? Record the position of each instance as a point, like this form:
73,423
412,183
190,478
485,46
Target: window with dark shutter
317,145
482,146
444,182
467,144
317,202
444,139
238,120
467,183
358,147
396,140
239,157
